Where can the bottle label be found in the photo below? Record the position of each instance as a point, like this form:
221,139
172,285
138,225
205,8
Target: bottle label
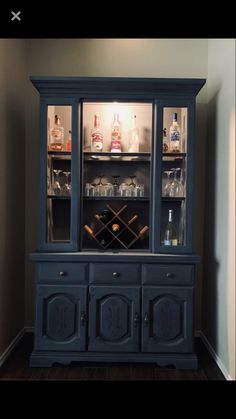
174,242
115,145
56,135
97,142
167,242
175,136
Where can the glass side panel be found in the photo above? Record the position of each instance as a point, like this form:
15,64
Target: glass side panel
59,174
117,154
174,172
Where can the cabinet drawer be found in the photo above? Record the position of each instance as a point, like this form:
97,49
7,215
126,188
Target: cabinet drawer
114,273
167,274
63,272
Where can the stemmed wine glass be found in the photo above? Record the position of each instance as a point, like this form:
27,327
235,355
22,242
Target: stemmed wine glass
176,188
115,185
100,191
67,186
166,190
57,186
132,186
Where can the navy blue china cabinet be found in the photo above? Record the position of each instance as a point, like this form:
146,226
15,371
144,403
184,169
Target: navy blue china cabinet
115,268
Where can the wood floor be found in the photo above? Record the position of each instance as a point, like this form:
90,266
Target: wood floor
16,368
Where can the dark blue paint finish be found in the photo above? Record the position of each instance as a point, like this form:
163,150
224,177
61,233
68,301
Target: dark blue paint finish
134,306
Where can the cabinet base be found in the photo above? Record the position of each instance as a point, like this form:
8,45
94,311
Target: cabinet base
179,361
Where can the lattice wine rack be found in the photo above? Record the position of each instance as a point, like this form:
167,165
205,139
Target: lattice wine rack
114,228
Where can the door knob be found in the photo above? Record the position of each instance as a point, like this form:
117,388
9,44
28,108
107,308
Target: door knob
116,274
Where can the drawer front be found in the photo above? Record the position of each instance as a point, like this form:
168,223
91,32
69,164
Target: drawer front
114,273
167,274
63,272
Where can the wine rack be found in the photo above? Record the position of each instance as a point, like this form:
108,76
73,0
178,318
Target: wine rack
115,229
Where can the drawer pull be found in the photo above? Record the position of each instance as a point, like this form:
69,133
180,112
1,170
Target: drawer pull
146,319
83,318
116,274
62,273
169,275
136,319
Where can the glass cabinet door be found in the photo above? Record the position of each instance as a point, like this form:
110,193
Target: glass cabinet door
117,155
59,174
174,172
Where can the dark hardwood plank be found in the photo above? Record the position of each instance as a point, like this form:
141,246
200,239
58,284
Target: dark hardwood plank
17,368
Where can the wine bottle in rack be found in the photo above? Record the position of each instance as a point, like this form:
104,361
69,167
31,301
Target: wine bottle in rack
134,218
143,231
115,228
89,230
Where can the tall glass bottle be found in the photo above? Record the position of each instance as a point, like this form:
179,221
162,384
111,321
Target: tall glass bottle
170,233
57,135
133,137
175,135
96,135
116,135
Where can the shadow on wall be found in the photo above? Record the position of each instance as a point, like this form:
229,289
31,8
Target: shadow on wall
210,320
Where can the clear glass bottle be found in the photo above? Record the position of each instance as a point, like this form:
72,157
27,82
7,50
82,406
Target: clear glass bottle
116,135
165,143
133,136
96,135
175,135
57,135
170,233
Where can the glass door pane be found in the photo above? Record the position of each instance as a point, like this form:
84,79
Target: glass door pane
117,153
174,172
59,121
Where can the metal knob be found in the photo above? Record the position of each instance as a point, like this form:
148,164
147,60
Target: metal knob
116,274
83,318
136,319
169,275
62,273
146,319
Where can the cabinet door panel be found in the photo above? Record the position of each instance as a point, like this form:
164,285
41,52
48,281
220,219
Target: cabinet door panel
60,317
167,319
114,319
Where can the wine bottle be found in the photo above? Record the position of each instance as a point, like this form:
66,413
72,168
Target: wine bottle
115,228
68,142
96,135
143,231
132,219
104,216
133,137
116,135
170,233
175,135
89,230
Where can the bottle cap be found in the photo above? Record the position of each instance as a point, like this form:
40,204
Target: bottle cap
175,116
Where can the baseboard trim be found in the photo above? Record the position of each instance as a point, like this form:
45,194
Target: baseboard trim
29,329
215,356
12,346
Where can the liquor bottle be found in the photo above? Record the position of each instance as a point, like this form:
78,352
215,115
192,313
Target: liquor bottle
170,233
165,143
57,135
116,135
68,142
133,137
96,135
175,135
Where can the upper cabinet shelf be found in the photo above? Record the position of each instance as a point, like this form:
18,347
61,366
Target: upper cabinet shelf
108,156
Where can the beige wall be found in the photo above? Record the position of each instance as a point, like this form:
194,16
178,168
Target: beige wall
218,322
12,189
111,57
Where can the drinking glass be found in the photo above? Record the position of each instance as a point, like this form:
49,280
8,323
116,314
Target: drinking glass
56,185
166,191
100,187
116,186
179,190
132,186
66,190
